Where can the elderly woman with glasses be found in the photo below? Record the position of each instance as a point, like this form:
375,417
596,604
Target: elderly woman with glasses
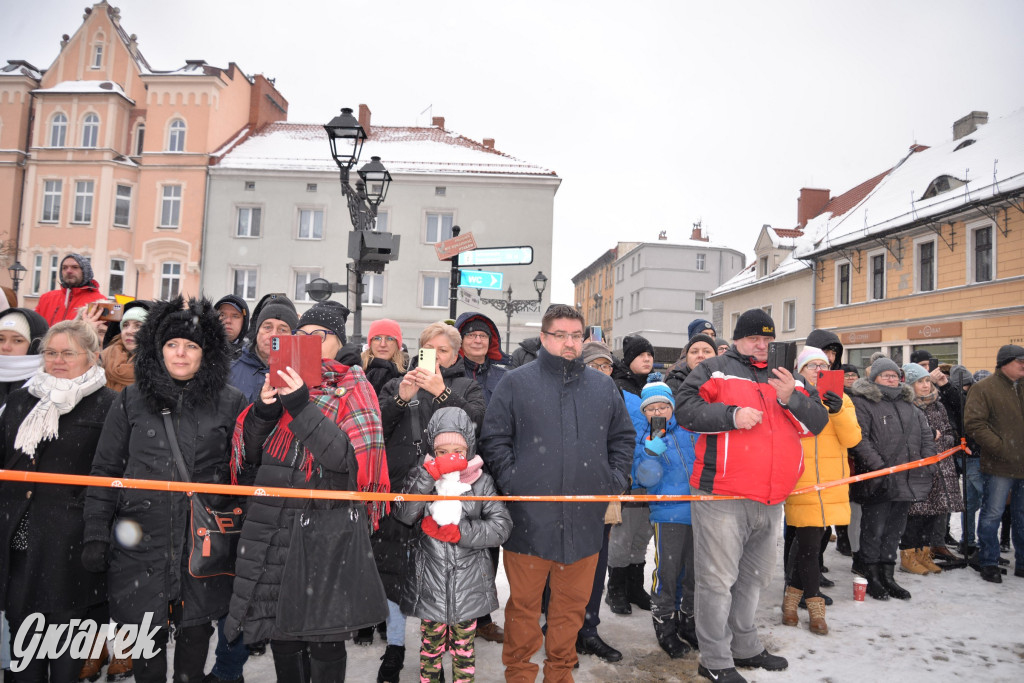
51,425
383,359
808,515
894,432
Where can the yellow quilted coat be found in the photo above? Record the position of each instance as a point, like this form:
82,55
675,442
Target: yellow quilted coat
825,459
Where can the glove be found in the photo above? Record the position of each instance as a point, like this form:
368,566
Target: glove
833,402
94,556
648,472
449,533
441,465
656,445
267,411
295,401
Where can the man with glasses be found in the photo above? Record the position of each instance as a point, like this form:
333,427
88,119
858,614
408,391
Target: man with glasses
554,427
248,372
481,350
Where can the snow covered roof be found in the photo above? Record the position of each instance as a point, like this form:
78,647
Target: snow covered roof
86,87
19,67
287,146
748,276
978,167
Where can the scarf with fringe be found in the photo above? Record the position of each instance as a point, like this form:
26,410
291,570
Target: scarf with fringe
57,396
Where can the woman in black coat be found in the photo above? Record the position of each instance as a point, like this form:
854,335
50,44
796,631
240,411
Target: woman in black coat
181,366
41,524
406,406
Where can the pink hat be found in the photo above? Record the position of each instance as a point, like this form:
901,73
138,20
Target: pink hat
385,327
450,439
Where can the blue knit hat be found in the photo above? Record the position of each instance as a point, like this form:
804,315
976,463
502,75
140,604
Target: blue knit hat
656,391
914,372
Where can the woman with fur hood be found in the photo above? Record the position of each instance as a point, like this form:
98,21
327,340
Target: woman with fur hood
139,537
894,432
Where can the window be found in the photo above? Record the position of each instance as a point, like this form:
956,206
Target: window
982,254
248,224
876,263
37,273
382,221
435,291
123,206
926,266
58,130
698,301
618,308
620,272
735,320
170,207
250,185
244,282
116,285
762,266
97,56
842,283
54,272
789,315
373,289
310,187
83,201
52,190
311,224
634,302
701,260
440,191
90,130
303,278
140,136
768,310
439,227
176,139
170,279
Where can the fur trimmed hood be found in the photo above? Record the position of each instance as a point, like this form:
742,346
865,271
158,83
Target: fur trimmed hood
867,389
197,320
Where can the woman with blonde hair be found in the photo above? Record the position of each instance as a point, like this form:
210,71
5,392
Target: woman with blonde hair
383,360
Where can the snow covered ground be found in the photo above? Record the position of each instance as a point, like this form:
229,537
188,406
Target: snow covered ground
956,627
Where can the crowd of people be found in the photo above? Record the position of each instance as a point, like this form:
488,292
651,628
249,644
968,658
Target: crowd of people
182,390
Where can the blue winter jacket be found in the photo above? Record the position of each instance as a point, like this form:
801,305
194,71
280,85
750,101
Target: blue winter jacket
248,374
676,465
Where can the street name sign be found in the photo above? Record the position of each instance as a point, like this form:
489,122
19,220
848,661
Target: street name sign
497,256
454,246
481,279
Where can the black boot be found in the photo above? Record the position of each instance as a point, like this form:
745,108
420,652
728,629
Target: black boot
894,589
665,629
394,660
859,568
616,596
292,667
635,591
364,636
687,629
593,645
876,588
843,540
329,671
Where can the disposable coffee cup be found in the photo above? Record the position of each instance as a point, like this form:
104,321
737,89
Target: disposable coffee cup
860,588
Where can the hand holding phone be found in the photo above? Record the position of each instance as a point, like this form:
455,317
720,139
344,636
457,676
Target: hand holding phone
428,360
300,352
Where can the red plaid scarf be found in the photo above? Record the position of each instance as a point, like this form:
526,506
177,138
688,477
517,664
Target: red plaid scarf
345,396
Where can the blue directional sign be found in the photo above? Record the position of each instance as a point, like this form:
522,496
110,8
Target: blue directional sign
497,256
481,279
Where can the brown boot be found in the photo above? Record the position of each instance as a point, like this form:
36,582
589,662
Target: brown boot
790,601
924,558
910,563
119,669
816,610
93,666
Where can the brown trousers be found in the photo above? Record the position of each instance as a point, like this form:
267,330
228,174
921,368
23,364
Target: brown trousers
571,585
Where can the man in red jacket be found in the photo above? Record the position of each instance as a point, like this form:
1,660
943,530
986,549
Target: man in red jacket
77,288
750,421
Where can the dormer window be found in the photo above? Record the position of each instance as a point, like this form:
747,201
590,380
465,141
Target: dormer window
762,267
966,143
944,183
97,56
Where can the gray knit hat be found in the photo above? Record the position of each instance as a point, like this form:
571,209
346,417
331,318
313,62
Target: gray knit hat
882,365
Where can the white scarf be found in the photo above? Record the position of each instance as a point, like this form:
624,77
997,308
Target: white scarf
13,368
57,396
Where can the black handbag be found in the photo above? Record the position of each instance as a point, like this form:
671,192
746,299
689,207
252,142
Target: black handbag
213,533
330,583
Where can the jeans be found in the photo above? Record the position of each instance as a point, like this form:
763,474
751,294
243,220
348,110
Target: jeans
734,553
396,625
993,502
975,485
231,657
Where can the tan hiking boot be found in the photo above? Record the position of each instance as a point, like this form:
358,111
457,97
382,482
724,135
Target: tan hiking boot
816,610
790,602
910,563
924,558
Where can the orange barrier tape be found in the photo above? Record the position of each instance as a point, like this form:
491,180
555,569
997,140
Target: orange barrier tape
318,494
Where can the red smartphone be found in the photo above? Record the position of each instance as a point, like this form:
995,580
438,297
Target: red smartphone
300,352
830,380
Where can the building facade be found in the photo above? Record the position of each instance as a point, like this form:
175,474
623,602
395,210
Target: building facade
594,290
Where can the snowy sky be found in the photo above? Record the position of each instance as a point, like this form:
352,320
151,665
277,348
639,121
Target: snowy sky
707,111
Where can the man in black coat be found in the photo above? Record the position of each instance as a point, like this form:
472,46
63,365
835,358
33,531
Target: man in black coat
554,427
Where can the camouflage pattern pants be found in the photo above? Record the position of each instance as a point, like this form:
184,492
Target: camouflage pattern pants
439,637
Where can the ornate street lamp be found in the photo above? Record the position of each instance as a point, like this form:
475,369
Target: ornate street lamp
17,273
511,306
540,282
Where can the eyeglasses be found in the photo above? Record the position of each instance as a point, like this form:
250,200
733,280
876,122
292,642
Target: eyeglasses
380,339
660,407
66,356
562,337
476,336
817,366
318,333
888,375
603,367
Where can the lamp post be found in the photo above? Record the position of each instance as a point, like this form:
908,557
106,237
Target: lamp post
511,306
597,308
17,273
369,249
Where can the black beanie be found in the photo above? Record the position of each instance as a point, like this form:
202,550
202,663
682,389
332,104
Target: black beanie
634,345
475,325
754,322
700,338
278,311
329,314
186,323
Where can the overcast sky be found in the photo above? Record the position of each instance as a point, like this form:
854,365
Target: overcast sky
655,114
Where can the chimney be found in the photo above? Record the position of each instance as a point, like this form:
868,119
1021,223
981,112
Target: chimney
437,121
810,204
697,234
489,143
969,124
663,235
364,118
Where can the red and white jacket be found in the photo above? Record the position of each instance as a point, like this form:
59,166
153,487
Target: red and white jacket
762,463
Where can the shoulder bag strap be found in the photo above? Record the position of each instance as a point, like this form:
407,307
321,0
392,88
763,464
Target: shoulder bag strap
175,450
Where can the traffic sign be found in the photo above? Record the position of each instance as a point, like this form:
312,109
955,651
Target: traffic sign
497,256
481,279
456,245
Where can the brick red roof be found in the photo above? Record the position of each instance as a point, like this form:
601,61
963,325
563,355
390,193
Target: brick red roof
840,204
788,232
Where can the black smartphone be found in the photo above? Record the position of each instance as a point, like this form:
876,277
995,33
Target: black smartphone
933,364
781,355
659,426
